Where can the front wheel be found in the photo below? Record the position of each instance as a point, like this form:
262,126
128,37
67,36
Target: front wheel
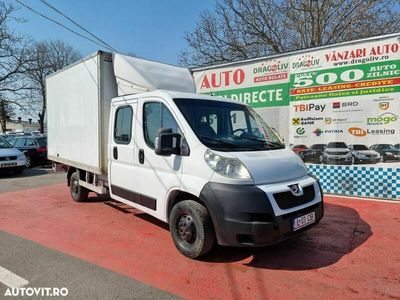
78,193
191,228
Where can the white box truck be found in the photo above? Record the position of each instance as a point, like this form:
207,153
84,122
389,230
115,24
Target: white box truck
209,166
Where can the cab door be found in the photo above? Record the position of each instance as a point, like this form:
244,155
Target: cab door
122,149
138,176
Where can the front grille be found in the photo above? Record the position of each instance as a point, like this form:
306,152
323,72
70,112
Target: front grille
6,158
287,200
335,153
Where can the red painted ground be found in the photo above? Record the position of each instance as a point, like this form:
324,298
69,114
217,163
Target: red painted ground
353,253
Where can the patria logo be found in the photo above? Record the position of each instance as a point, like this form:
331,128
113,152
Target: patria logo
383,119
300,131
317,131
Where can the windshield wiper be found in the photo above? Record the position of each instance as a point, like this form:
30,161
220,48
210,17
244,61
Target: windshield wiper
280,146
220,141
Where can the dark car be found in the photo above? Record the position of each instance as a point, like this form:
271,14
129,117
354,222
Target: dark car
306,154
34,148
318,150
387,152
397,146
362,154
337,153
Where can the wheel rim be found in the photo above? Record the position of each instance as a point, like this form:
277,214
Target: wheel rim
28,161
186,229
75,187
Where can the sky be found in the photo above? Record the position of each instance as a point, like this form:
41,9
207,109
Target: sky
152,29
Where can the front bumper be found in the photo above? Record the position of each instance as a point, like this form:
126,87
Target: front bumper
5,165
367,160
250,215
337,159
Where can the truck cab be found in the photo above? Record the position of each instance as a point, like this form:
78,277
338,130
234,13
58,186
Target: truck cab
211,168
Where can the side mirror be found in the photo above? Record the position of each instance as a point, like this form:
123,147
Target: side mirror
167,142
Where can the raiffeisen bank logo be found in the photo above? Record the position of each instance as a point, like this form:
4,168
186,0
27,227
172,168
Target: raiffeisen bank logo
318,131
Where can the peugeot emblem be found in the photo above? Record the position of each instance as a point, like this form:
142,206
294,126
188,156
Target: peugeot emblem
296,189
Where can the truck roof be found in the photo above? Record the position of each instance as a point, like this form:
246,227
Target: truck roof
169,95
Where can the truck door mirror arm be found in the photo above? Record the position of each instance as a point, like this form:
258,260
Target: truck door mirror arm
167,143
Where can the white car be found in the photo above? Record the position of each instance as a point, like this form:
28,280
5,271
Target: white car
11,159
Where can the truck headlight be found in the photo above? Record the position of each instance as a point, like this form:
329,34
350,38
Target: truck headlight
228,167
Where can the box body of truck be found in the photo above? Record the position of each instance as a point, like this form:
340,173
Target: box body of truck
79,99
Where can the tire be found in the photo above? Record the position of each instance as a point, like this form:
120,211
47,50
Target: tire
353,161
382,159
78,193
18,170
191,228
28,160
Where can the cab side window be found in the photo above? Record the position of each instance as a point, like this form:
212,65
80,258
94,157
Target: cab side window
123,125
155,116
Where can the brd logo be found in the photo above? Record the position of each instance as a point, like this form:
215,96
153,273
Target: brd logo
357,131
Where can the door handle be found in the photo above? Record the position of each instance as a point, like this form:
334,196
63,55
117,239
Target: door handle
115,152
141,156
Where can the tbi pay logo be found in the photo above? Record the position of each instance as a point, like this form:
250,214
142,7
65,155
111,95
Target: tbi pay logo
309,107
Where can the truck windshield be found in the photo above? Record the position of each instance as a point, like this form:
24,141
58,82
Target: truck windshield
226,126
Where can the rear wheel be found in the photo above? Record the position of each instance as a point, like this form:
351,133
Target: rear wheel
78,193
191,228
28,160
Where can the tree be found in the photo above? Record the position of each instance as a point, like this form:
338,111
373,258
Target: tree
47,57
14,60
243,29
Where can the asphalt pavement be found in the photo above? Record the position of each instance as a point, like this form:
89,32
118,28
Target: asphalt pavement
43,267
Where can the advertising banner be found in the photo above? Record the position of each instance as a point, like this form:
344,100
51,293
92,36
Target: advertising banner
334,106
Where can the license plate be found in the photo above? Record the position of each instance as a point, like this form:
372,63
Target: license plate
10,164
303,221
337,157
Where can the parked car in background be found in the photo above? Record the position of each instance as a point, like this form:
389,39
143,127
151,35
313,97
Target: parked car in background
362,154
387,152
337,153
34,148
306,154
297,148
11,159
318,150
